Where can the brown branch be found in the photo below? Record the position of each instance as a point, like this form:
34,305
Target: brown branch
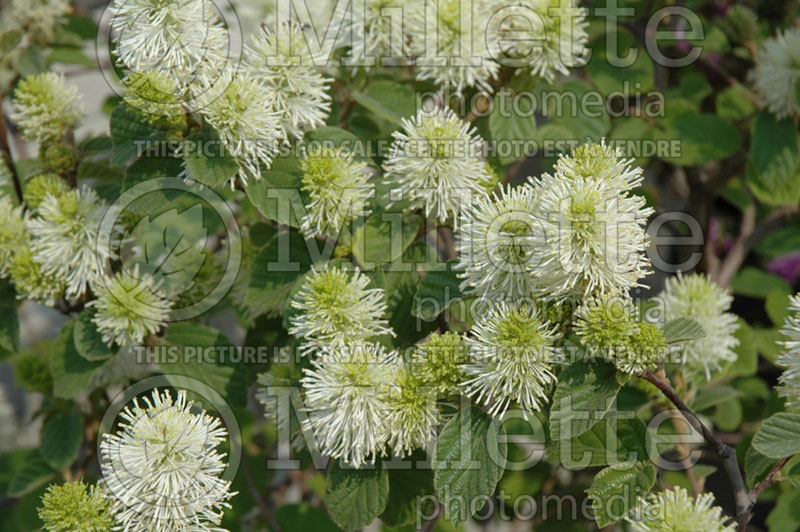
5,153
768,481
430,524
751,234
726,454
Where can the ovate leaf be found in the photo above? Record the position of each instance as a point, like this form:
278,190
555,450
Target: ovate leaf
61,440
355,497
585,392
681,330
778,436
615,490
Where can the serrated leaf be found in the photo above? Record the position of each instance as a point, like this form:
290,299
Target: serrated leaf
510,127
439,289
411,493
470,456
355,497
615,490
276,268
225,377
71,372
778,436
131,134
703,137
61,440
88,341
33,474
277,196
602,444
383,238
211,169
682,330
170,247
756,466
585,392
388,99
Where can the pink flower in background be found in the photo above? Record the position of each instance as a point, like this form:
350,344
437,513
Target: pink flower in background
787,266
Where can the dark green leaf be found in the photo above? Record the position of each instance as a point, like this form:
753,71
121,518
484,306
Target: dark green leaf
612,441
355,497
132,134
584,394
9,320
72,373
277,196
34,473
389,100
61,440
383,238
702,138
277,266
437,291
752,282
774,169
681,330
88,341
615,490
411,492
207,159
510,127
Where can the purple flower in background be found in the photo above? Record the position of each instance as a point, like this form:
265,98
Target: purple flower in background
787,266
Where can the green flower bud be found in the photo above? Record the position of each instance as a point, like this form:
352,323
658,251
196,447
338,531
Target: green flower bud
38,187
75,506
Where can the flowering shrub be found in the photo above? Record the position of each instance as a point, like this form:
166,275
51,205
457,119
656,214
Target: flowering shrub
399,264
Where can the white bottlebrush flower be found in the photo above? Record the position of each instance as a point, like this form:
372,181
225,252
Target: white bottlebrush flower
413,413
162,469
177,37
12,232
378,31
790,355
45,107
595,233
347,399
448,38
499,243
282,62
64,239
696,297
602,162
37,18
334,305
245,120
777,72
338,189
435,163
129,307
547,36
676,511
512,353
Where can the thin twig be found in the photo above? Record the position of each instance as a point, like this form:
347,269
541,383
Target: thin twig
5,153
430,524
724,452
768,481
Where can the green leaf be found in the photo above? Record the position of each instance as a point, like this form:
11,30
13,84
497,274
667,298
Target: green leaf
277,196
437,291
355,497
780,242
746,362
708,397
610,78
728,415
509,127
470,457
34,473
383,238
9,319
753,282
337,137
72,373
785,516
149,168
602,444
69,56
567,110
10,39
61,440
778,436
616,489
585,392
389,100
777,305
734,103
131,133
682,330
226,378
211,169
756,466
773,172
703,138
277,266
303,516
88,341
411,491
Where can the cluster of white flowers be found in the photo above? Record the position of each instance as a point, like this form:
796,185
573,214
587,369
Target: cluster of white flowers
435,163
576,233
37,18
699,298
45,107
676,511
777,73
790,356
162,470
